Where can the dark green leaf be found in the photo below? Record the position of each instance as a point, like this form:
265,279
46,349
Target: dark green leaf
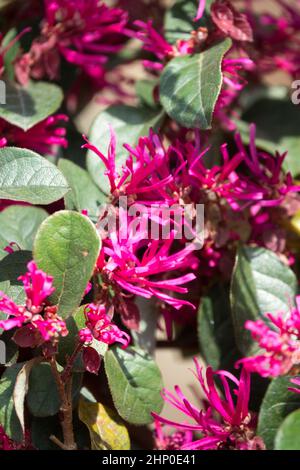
277,404
26,176
84,193
135,384
179,20
8,417
129,124
261,283
42,398
277,122
27,106
13,266
67,247
288,435
215,329
190,86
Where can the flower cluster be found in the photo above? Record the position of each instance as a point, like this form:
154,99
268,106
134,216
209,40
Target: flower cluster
83,32
279,337
36,323
225,423
43,138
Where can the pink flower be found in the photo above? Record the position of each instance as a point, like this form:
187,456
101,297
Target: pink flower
201,9
280,341
46,327
171,441
276,39
83,32
43,138
295,381
100,327
226,422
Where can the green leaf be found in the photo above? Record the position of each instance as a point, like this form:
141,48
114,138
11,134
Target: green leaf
261,283
179,20
135,383
145,92
26,176
21,388
19,224
190,86
11,54
144,338
67,247
288,435
107,432
67,344
277,122
215,329
277,404
8,416
84,193
129,124
42,397
27,106
13,266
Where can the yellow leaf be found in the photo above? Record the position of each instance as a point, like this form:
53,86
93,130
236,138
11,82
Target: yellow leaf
106,430
295,223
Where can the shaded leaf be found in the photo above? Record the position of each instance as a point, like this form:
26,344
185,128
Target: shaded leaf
19,224
21,388
215,329
277,404
27,106
179,20
8,416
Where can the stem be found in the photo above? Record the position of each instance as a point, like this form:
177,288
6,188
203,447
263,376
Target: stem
66,412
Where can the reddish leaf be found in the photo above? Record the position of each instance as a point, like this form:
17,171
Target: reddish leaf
230,21
27,337
91,360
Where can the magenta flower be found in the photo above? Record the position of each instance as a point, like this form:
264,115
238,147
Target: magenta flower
38,323
276,39
280,342
226,422
295,381
100,327
201,9
171,441
83,32
43,138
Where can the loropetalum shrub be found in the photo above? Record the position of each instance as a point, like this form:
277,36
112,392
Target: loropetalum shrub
175,215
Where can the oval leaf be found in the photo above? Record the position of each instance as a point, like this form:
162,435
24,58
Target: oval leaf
135,383
277,404
288,435
215,329
26,176
261,283
19,224
190,86
8,416
106,430
129,124
27,106
66,247
84,193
